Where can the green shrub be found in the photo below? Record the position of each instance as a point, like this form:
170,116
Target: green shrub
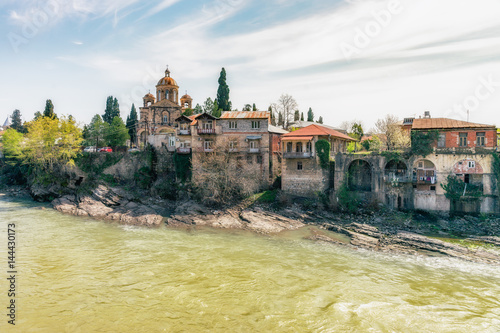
323,151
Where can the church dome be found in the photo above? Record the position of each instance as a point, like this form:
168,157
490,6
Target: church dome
149,96
167,80
186,97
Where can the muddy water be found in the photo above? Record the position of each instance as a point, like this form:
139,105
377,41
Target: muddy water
81,275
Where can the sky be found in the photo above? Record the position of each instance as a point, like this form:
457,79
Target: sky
347,60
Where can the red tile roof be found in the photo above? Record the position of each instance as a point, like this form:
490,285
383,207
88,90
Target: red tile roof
445,123
245,115
297,138
317,130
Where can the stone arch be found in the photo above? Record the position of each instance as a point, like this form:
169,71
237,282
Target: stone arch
360,176
396,169
469,171
424,175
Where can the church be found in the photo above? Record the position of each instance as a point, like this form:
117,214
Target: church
158,114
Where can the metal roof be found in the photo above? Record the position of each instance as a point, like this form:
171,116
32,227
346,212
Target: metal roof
245,115
445,123
318,130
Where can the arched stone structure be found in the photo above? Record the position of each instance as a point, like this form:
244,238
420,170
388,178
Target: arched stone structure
360,176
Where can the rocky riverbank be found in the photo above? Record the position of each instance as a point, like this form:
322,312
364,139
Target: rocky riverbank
384,231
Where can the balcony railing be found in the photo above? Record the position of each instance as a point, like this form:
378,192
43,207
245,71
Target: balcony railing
425,180
202,131
254,150
183,132
183,150
392,178
297,155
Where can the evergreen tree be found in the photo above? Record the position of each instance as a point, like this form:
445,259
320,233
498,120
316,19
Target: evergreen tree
254,108
296,115
132,125
112,110
310,115
247,107
302,116
96,130
280,119
49,110
273,119
216,111
16,122
188,112
37,115
208,106
223,92
197,109
117,134
320,120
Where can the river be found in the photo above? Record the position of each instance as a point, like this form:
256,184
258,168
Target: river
81,275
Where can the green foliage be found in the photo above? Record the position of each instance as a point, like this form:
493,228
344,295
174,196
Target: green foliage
296,115
320,120
188,112
310,115
347,200
96,163
280,119
16,122
208,106
247,107
132,121
197,109
265,197
392,155
117,133
421,142
143,177
302,116
182,164
373,144
37,115
112,110
254,108
49,110
323,150
95,131
216,111
223,93
456,189
12,144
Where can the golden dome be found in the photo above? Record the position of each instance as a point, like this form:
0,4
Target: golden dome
167,80
149,96
186,97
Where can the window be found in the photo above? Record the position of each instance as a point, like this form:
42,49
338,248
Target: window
462,139
253,145
207,125
309,147
299,165
207,144
249,159
442,140
165,118
171,141
184,127
185,144
255,124
166,94
233,125
298,147
472,164
186,105
259,159
289,147
233,144
480,139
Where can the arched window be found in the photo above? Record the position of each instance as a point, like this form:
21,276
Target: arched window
166,94
165,118
186,105
158,95
298,147
289,147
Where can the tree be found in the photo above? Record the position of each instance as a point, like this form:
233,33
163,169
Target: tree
320,120
16,122
117,134
296,115
37,115
223,92
132,125
302,116
397,138
254,108
280,119
356,133
112,110
50,142
12,144
208,106
286,105
49,110
310,115
247,107
96,130
197,109
271,113
216,110
188,112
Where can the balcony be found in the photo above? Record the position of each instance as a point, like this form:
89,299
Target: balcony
254,150
425,180
297,155
206,131
183,151
183,132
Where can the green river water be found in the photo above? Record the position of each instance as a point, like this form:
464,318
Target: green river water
81,275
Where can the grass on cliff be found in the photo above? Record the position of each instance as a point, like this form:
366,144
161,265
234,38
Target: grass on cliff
97,162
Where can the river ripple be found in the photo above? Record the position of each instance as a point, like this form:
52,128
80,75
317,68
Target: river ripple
81,275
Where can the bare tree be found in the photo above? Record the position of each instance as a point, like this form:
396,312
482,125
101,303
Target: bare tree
396,137
220,177
287,106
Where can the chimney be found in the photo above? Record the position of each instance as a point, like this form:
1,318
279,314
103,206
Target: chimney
427,114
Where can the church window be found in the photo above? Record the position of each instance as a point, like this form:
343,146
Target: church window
165,118
166,94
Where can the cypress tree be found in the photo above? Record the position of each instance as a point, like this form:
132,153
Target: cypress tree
254,108
132,125
223,92
280,119
16,122
49,110
296,115
310,115
320,120
302,116
273,119
112,110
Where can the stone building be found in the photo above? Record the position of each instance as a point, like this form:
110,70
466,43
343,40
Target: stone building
158,114
301,171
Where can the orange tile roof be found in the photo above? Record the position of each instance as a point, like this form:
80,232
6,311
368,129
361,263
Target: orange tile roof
245,115
319,131
297,138
445,123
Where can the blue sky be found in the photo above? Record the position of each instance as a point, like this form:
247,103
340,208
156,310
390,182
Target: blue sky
351,59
